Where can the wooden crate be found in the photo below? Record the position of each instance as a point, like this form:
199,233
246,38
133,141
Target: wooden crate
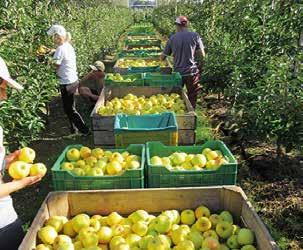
103,202
103,126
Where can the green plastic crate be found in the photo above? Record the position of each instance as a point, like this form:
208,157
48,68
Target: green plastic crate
129,129
139,53
162,80
64,180
142,42
161,177
139,81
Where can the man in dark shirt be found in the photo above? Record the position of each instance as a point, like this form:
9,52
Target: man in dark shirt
186,47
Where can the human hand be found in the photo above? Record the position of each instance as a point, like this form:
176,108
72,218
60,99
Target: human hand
27,181
11,158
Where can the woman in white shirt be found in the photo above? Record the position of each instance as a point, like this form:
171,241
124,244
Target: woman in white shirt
66,68
11,232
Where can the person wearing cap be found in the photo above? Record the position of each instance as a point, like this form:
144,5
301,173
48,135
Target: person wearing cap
186,47
11,232
92,84
66,69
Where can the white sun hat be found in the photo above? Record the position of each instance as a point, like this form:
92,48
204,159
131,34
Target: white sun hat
57,29
4,74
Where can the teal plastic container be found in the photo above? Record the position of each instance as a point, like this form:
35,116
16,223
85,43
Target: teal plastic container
138,129
161,177
162,80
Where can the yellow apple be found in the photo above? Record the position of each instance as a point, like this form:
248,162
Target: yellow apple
162,224
80,163
85,152
188,217
211,155
90,160
202,211
78,172
114,218
157,243
60,240
47,234
78,245
140,228
185,245
116,241
105,234
95,223
114,168
44,247
133,165
118,230
211,244
203,224
94,172
122,246
133,240
211,233
97,153
156,161
80,221
214,219
73,154
206,151
27,155
56,222
196,238
38,169
67,166
116,156
68,229
180,234
19,170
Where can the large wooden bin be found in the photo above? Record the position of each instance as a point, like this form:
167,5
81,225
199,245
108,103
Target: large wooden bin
229,198
103,126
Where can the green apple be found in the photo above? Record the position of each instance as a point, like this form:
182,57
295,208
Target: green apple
223,247
202,211
210,243
236,229
214,219
206,151
226,216
138,216
144,241
116,240
47,235
245,236
67,166
232,242
156,243
133,240
78,172
224,229
211,165
101,164
90,240
199,160
38,169
80,163
248,247
80,221
185,245
188,217
166,240
210,233
196,238
156,161
203,224
27,155
73,154
162,224
105,235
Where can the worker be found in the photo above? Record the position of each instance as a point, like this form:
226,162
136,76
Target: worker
11,232
186,48
92,84
66,69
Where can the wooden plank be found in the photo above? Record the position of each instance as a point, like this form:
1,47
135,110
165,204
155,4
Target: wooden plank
186,137
29,241
186,121
104,138
58,204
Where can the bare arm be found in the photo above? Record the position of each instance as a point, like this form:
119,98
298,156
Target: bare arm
13,186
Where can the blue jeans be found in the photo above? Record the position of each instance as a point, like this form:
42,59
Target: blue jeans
11,236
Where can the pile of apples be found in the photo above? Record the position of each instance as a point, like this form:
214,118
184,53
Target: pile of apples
191,230
207,160
145,48
134,105
118,78
24,166
138,63
97,162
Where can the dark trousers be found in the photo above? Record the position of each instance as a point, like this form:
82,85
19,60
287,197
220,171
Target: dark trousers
11,236
69,107
193,87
